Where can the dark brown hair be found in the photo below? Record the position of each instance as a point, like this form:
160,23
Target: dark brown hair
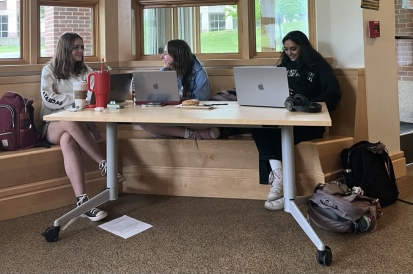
62,62
181,54
308,55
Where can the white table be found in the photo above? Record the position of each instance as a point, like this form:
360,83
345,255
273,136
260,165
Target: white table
231,115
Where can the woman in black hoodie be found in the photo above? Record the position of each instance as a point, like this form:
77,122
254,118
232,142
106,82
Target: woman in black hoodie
310,75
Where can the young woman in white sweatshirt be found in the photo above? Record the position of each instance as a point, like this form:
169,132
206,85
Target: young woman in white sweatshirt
66,67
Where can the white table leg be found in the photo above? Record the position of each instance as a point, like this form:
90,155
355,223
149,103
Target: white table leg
287,140
287,137
93,202
112,159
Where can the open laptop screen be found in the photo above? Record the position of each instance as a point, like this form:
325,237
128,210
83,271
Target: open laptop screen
120,86
261,86
156,87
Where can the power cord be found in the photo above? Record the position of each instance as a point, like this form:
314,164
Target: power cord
404,201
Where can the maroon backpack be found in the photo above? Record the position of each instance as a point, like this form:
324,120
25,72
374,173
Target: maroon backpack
17,130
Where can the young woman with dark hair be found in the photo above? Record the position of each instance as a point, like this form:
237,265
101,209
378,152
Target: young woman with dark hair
194,83
310,75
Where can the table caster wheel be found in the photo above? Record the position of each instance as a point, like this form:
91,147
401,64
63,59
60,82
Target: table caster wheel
52,233
324,257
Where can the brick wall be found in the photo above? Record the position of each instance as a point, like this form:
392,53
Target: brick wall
59,20
404,48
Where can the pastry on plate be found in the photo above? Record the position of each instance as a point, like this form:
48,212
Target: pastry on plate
190,102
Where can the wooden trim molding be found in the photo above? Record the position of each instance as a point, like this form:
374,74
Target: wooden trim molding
183,3
312,28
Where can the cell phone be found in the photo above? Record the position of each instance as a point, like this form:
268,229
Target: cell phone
153,105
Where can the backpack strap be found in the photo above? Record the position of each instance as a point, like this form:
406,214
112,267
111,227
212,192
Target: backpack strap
30,110
335,188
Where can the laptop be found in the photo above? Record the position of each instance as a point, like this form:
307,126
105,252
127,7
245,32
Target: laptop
120,86
261,86
156,87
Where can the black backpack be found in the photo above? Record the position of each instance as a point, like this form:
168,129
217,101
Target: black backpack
368,166
337,208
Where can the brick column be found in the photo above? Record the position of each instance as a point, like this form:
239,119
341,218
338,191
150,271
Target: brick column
404,48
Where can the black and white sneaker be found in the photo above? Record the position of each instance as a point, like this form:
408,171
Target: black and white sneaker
103,170
94,214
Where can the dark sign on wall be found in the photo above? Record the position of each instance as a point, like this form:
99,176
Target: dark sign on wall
370,4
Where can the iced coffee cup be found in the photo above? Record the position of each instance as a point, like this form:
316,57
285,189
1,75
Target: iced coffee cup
80,93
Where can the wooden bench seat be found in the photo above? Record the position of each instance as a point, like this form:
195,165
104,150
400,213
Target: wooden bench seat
34,180
217,168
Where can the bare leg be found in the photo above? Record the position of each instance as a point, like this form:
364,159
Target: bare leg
80,134
73,163
72,137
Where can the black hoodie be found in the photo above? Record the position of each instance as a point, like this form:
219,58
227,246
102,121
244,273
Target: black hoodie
320,85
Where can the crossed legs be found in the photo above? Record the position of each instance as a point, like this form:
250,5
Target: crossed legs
72,137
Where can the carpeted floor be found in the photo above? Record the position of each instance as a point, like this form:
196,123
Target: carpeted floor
202,235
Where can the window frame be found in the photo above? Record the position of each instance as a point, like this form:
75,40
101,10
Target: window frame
246,31
20,60
174,4
93,4
30,30
125,53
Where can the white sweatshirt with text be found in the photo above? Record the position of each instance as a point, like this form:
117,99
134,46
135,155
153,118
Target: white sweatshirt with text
57,94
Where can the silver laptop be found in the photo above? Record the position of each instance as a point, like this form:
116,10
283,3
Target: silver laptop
156,87
261,86
120,86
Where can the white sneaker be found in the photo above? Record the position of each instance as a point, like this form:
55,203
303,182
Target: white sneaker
276,190
275,205
103,170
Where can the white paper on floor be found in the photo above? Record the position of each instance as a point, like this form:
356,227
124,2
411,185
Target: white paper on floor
125,226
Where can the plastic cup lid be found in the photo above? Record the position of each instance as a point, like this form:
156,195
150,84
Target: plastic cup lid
80,84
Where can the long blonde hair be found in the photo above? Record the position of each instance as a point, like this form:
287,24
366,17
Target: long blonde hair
62,61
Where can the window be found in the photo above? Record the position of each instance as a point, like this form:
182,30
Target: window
56,20
9,30
215,31
216,21
275,18
4,26
207,29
